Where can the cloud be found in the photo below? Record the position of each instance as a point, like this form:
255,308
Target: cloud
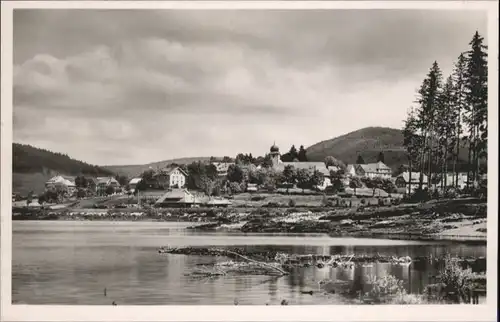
137,86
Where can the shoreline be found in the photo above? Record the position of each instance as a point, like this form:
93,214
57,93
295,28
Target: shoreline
457,220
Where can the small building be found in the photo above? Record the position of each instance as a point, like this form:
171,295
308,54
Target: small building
222,167
170,177
403,181
373,170
176,198
67,182
451,180
351,170
132,184
252,187
103,183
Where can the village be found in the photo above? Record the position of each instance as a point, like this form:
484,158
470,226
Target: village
275,196
168,186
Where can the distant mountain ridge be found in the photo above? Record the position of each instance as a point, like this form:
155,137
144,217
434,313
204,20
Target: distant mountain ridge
33,166
367,142
135,170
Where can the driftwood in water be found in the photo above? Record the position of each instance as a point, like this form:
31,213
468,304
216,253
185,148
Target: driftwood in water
259,263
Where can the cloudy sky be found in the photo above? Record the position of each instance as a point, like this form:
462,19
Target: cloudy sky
130,87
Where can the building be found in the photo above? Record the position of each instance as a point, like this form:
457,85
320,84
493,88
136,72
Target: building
451,180
174,177
252,187
222,167
351,170
403,181
133,183
373,170
103,183
67,182
176,198
279,165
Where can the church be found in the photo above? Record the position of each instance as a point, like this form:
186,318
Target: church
279,165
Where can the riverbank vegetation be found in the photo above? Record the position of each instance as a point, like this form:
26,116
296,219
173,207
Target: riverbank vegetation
459,280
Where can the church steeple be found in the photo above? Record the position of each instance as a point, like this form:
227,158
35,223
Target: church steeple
275,154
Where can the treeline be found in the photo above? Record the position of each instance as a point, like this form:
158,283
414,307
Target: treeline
448,114
28,159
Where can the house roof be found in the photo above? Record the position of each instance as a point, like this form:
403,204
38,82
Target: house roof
222,166
374,167
135,181
66,180
320,166
180,194
106,180
170,169
415,177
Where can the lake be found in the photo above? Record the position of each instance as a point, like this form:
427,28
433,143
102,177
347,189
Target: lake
72,262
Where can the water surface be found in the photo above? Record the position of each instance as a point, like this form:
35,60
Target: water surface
72,262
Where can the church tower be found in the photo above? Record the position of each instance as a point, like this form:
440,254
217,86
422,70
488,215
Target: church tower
275,155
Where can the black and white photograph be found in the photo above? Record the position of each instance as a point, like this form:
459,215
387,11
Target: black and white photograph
250,157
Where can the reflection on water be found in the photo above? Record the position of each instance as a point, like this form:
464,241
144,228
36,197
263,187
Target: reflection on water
72,263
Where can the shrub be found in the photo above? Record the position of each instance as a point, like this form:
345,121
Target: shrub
363,201
481,230
385,289
291,203
420,195
257,198
457,281
211,213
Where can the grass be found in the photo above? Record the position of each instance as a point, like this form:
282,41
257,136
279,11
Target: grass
23,183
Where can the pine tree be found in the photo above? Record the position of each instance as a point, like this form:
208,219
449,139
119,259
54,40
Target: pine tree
381,157
428,100
412,142
459,92
477,102
360,160
445,128
302,154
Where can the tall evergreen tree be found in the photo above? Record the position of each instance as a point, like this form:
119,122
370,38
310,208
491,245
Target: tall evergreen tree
445,128
381,157
459,92
413,144
302,154
477,102
360,160
428,100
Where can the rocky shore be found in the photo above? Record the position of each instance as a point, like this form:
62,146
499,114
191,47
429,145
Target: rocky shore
457,219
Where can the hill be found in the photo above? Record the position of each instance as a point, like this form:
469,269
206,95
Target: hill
32,167
367,142
135,170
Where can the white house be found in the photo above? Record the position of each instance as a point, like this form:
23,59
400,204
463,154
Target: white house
59,180
133,183
222,167
176,177
104,182
451,178
373,170
351,170
403,181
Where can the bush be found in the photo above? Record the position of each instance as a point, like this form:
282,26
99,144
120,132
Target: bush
385,289
257,198
420,195
457,281
363,201
291,203
451,193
